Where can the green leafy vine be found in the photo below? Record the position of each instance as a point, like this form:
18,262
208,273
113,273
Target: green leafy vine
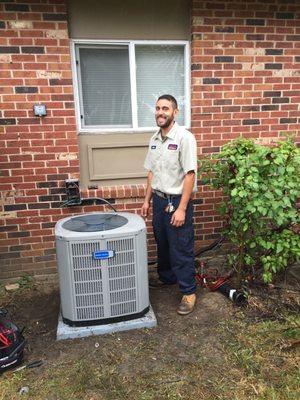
261,185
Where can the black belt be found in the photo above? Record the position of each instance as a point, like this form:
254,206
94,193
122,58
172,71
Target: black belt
165,195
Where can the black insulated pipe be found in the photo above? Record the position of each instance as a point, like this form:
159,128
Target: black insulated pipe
234,295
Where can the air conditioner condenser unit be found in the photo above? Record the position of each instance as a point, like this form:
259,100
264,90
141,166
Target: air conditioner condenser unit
102,268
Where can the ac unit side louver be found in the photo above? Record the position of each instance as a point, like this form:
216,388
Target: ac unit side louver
102,267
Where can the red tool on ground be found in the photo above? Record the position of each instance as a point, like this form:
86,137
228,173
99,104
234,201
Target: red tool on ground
213,281
12,343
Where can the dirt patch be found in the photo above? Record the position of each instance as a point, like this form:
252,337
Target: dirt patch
182,357
36,309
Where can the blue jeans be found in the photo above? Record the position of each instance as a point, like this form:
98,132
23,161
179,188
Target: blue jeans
175,246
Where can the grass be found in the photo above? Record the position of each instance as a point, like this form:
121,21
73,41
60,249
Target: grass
26,281
257,361
266,356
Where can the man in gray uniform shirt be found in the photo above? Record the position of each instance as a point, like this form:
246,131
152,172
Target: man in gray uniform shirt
172,170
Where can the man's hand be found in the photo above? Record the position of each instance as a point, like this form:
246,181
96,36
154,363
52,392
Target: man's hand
178,218
146,206
145,209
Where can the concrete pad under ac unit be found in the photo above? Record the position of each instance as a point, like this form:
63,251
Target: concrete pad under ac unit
65,331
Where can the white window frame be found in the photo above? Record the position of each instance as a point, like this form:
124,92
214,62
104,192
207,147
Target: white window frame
131,48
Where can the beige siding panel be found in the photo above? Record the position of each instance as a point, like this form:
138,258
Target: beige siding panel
113,159
130,19
127,161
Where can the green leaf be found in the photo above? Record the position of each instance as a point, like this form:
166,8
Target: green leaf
279,248
242,193
234,192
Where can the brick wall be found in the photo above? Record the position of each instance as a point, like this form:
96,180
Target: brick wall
245,80
37,154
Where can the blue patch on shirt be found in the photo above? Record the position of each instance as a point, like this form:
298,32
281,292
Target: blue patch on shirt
153,147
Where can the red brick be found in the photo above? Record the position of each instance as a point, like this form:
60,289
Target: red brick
34,178
6,90
11,82
42,232
8,33
24,186
35,66
44,25
21,42
42,8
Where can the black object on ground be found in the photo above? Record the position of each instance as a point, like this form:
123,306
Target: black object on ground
12,343
234,295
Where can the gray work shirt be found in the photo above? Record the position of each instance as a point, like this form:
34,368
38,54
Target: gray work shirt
170,159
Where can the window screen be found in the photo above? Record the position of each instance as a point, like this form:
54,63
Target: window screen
105,86
159,70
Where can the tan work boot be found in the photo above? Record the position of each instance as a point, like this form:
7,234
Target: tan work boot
187,304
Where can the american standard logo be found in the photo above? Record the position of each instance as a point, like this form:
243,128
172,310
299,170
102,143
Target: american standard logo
103,254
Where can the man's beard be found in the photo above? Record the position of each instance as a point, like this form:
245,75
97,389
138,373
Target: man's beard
165,122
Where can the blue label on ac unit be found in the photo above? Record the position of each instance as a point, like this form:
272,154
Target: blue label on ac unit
103,254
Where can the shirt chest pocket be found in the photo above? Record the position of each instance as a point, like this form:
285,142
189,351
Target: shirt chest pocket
171,159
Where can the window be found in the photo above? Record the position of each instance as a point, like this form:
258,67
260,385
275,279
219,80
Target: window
119,82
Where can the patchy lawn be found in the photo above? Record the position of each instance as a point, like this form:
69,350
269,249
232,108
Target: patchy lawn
217,352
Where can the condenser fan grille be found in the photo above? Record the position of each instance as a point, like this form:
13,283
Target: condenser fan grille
113,278
95,222
88,286
87,277
89,313
122,277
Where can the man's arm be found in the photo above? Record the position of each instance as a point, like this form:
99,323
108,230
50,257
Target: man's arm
178,218
146,205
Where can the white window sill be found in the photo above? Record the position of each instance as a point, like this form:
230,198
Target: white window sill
98,131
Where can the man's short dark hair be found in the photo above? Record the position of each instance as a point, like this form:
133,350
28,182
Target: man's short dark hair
170,98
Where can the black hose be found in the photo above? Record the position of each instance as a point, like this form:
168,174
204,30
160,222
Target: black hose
202,251
210,247
85,201
82,201
234,295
